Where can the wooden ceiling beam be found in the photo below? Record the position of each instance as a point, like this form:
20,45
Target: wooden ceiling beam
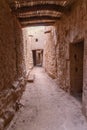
52,7
38,24
38,18
39,13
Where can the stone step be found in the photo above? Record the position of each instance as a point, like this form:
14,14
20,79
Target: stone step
31,78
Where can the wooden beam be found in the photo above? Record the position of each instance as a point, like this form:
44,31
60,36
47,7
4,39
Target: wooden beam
39,13
34,18
69,3
38,24
38,21
52,7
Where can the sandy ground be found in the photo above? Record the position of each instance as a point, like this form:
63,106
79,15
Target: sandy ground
46,107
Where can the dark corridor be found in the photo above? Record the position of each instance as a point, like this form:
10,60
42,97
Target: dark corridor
38,57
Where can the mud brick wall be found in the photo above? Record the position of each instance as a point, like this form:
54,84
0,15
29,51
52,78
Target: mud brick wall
50,52
11,64
7,47
71,29
18,35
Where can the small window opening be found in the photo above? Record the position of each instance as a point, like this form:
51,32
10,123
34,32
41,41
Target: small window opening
36,40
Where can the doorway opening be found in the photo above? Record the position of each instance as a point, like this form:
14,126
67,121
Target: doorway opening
76,69
38,57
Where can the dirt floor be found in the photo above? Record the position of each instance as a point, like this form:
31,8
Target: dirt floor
46,107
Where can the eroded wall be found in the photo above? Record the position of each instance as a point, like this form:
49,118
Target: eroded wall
11,64
50,62
27,52
72,28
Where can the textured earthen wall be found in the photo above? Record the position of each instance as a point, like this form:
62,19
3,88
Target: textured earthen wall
27,52
72,28
19,48
50,52
11,64
7,47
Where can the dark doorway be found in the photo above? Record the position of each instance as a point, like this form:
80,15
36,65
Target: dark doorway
76,69
34,57
38,57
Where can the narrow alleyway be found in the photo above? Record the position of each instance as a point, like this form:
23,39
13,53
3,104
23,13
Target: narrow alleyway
46,107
